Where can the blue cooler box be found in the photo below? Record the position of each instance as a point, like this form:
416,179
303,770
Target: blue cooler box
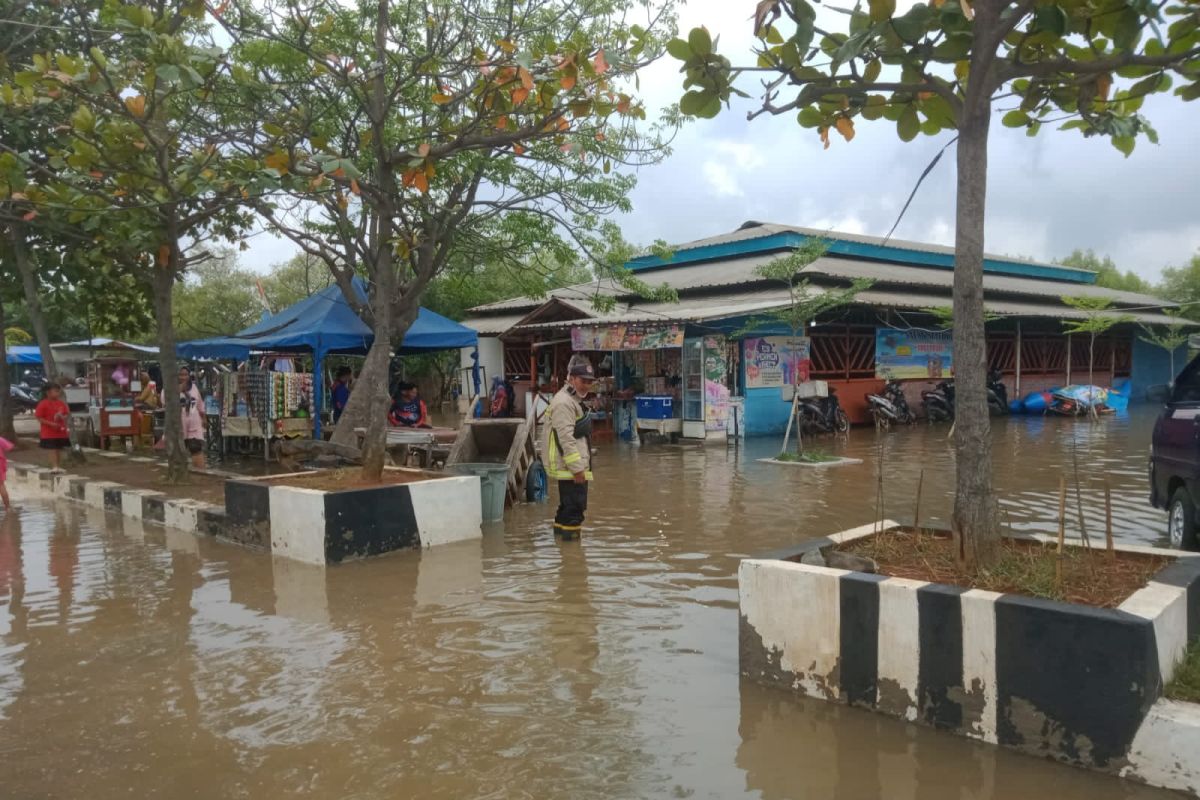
655,407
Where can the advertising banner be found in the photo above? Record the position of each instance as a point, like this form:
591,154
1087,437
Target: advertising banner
775,361
912,354
624,337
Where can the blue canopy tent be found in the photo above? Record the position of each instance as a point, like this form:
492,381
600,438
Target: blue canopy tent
23,354
325,324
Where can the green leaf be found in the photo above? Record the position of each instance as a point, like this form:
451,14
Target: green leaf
694,102
1051,19
1128,30
773,35
1015,119
680,49
911,26
908,126
1124,143
700,42
272,129
881,9
872,70
167,73
711,107
810,117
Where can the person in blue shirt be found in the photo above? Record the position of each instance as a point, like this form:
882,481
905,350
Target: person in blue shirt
341,391
408,409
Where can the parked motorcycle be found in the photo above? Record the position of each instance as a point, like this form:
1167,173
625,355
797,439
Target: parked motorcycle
939,402
997,394
823,414
890,407
22,398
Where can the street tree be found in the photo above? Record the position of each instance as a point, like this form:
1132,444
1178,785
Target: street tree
1097,318
1169,337
143,166
947,65
408,131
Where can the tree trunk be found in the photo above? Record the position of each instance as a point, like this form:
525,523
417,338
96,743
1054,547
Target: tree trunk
1092,413
164,282
7,429
378,398
976,518
32,301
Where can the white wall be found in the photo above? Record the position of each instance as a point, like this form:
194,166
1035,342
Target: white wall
491,359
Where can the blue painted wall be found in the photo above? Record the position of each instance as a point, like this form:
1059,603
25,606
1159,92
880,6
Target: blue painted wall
1152,365
766,413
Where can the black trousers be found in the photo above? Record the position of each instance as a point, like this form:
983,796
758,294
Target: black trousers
572,503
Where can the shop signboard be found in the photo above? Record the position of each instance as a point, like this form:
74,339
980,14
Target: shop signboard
906,354
776,361
716,390
625,337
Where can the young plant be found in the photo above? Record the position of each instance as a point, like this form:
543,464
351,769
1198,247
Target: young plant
1169,337
1097,319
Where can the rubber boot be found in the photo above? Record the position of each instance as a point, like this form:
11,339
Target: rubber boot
568,533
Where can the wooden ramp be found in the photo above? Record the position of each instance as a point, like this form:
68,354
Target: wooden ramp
498,441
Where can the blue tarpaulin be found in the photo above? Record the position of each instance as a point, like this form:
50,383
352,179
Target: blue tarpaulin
23,354
325,323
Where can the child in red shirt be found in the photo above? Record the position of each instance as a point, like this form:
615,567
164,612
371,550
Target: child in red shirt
53,413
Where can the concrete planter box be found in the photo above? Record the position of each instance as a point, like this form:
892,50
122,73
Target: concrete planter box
1060,680
322,527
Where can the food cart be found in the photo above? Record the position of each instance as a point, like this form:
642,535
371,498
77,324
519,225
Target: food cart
113,385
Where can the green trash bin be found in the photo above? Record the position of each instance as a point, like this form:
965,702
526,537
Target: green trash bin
493,485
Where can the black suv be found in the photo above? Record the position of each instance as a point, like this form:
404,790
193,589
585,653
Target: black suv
1175,457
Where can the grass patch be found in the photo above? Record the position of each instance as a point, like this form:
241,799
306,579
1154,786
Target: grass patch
1186,685
809,457
1023,567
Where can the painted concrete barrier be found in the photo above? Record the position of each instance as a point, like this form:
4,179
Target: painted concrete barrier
306,525
320,527
1060,680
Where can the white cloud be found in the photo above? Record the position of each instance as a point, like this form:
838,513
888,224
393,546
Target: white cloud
721,179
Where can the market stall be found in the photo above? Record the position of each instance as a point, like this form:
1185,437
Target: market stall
656,379
318,326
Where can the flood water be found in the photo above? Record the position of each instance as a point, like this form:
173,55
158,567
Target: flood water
139,662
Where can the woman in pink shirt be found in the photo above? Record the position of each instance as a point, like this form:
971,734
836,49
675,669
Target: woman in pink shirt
191,406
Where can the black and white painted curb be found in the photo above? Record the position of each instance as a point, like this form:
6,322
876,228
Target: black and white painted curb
1067,681
307,525
183,514
320,527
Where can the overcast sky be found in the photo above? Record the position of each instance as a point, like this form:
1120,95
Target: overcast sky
1047,195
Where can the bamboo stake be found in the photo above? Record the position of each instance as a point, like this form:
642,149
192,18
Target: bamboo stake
1108,528
1062,528
917,510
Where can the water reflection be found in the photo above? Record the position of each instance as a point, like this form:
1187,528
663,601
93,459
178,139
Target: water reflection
136,661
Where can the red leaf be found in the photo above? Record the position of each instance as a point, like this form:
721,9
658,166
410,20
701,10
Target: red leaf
568,82
423,150
599,63
29,216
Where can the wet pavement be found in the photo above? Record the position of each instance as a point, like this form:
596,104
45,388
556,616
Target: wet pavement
140,662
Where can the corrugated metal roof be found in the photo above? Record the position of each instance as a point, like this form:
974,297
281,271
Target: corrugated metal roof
494,325
697,309
849,269
916,302
753,230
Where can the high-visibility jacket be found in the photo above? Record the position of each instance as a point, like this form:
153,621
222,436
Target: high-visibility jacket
565,454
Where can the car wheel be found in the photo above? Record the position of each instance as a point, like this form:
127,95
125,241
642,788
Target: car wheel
1181,521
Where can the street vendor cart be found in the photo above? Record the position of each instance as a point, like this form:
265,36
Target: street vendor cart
114,384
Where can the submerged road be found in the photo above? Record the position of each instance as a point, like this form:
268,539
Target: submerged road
142,662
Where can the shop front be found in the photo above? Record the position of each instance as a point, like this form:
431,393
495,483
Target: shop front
656,379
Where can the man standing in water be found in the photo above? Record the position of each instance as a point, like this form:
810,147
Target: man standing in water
567,448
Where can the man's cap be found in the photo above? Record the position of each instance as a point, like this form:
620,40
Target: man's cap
580,367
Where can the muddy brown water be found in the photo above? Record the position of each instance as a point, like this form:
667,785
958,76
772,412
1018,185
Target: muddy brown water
138,662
